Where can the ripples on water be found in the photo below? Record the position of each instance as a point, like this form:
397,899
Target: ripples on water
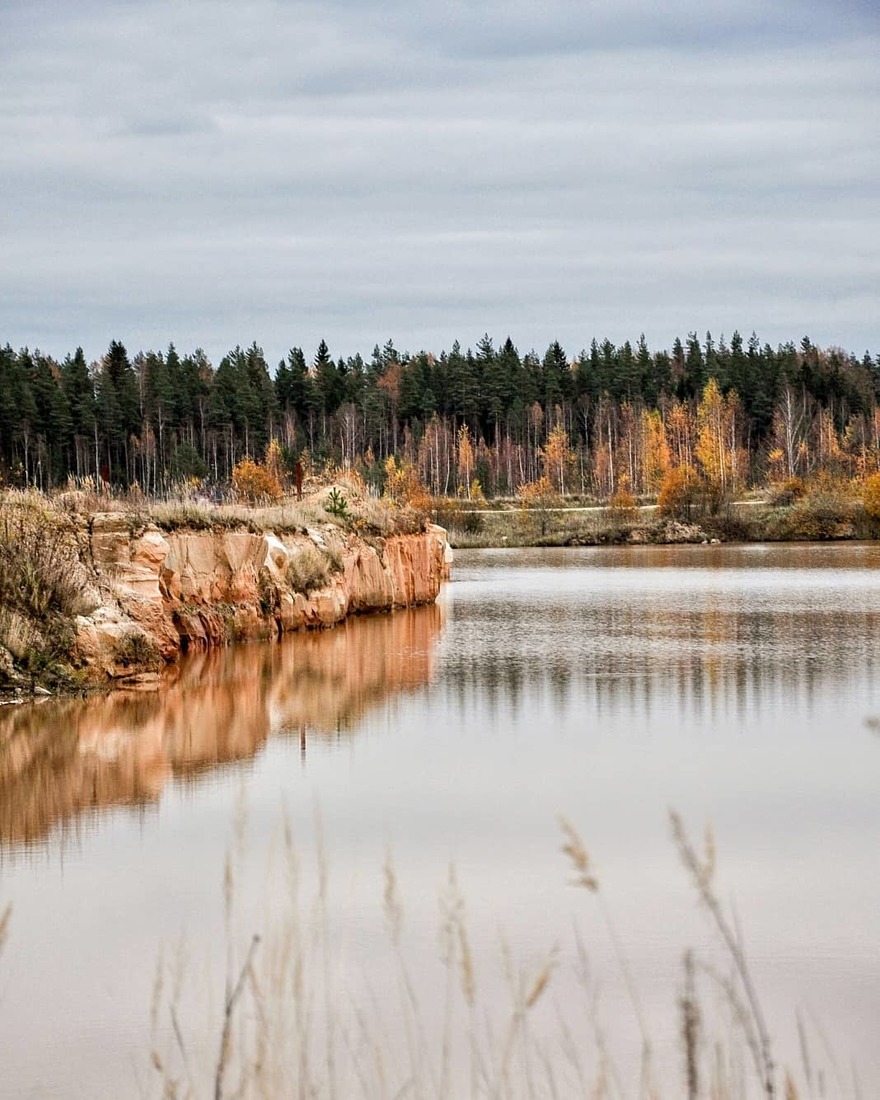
732,683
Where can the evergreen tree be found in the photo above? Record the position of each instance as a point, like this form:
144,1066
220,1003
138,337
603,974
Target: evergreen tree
52,418
557,379
462,385
79,391
329,384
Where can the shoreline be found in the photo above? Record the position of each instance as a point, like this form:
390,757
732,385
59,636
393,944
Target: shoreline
809,520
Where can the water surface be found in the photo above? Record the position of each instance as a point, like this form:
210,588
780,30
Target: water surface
734,684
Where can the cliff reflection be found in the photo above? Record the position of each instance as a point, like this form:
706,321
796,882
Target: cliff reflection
66,758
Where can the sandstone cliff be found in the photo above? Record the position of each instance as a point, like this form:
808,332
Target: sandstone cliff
160,593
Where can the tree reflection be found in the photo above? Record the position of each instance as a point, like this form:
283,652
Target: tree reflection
610,659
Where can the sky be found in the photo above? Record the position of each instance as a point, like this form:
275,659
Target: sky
218,173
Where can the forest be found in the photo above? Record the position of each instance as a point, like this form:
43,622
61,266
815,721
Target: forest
487,421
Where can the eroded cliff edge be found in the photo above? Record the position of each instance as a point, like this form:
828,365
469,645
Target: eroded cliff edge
160,593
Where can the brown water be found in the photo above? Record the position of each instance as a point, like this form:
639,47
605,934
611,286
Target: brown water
734,684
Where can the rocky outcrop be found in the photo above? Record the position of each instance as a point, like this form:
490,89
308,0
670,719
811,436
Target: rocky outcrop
162,593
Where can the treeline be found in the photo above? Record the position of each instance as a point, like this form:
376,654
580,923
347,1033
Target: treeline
478,420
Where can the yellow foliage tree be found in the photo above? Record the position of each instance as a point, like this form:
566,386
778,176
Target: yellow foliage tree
871,496
538,499
274,462
556,458
680,434
716,448
404,486
656,448
714,422
465,451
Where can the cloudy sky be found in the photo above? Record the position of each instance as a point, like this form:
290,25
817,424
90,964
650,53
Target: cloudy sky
220,172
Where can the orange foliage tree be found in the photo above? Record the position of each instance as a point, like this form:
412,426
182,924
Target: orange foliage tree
871,496
679,492
255,482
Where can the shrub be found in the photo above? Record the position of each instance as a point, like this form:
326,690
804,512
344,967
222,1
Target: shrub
786,492
255,483
40,572
136,649
622,506
538,499
42,582
827,510
307,569
451,515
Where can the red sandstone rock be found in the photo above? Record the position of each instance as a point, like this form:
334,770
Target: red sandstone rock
191,589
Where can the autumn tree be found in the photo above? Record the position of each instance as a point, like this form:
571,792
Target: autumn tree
465,458
656,450
871,496
538,499
679,492
716,447
788,434
254,483
556,458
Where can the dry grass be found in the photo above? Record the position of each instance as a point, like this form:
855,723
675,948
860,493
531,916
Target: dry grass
42,582
308,568
298,1018
185,507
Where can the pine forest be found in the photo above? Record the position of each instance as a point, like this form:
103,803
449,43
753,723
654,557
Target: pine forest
488,421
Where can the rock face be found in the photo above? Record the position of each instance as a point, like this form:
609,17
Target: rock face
162,593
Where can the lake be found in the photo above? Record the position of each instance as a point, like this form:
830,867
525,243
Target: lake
735,685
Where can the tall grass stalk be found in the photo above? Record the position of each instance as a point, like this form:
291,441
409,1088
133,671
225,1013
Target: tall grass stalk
298,1018
750,1014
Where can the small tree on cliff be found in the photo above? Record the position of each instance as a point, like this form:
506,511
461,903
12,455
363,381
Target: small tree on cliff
255,483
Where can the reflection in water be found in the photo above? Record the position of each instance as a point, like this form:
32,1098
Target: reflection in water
712,640
66,757
730,683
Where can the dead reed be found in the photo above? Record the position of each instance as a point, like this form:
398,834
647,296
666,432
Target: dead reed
298,1018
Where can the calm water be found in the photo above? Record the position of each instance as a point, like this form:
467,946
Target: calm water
736,685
